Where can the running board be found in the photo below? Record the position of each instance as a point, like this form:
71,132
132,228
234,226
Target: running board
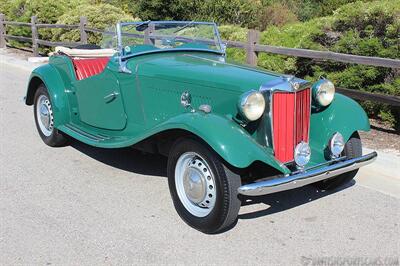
96,138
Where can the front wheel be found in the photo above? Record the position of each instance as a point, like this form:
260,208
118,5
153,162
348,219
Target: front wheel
203,189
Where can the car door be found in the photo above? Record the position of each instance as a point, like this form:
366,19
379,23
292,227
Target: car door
100,101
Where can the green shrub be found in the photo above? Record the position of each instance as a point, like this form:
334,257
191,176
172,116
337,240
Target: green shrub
101,16
125,5
5,6
46,11
310,9
234,33
276,14
240,12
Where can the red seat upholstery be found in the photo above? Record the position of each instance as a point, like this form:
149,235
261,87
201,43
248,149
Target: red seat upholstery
87,67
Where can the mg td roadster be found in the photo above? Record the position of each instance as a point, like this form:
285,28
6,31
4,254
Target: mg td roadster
227,129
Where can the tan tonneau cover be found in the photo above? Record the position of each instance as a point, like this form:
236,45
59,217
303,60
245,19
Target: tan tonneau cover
86,53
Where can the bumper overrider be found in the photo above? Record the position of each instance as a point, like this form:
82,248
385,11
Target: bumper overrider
306,177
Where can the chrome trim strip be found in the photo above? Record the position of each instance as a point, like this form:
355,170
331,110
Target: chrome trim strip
125,57
304,178
167,22
285,84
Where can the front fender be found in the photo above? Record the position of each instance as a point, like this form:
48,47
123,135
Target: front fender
343,115
51,78
227,139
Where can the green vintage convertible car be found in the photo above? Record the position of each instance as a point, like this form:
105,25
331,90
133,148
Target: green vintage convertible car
228,130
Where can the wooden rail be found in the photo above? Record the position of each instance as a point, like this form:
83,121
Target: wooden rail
368,96
252,47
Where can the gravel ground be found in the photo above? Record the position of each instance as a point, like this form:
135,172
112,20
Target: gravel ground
381,137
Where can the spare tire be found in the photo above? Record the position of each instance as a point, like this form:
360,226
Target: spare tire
88,46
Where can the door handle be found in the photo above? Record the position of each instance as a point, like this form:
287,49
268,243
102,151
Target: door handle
111,97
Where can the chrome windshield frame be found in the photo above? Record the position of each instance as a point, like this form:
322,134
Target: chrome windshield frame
120,47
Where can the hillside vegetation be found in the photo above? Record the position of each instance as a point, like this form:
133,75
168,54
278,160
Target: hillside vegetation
370,28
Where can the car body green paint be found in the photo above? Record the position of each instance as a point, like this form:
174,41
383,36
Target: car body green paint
52,79
226,137
148,102
343,115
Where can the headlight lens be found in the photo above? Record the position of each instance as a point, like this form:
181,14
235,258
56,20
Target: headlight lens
336,144
252,105
302,154
324,92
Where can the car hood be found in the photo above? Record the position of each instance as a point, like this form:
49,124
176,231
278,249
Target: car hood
200,69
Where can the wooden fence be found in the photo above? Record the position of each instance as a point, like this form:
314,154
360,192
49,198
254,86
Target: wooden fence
252,47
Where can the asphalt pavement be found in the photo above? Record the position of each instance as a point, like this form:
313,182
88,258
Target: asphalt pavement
80,205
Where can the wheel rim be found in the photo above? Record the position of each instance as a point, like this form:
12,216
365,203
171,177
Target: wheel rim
44,114
195,184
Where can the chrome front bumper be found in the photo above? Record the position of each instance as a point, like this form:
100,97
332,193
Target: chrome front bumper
306,177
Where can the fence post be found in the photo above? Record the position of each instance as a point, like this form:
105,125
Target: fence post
35,37
147,34
82,25
2,31
253,37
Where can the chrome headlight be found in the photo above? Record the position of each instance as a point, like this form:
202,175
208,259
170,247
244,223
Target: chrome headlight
336,144
323,92
302,154
251,105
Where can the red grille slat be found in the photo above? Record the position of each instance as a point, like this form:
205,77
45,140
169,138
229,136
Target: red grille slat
290,121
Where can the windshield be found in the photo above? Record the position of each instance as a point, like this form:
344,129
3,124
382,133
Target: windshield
143,37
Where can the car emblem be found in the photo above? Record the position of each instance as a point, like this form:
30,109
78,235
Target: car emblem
186,99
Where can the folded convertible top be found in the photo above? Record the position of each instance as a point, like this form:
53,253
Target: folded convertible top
86,53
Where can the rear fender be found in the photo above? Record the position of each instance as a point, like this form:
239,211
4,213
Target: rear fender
51,78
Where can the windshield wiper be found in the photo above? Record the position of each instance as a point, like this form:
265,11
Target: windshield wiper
184,26
179,29
143,26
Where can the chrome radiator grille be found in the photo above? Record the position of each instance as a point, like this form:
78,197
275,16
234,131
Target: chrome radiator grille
290,121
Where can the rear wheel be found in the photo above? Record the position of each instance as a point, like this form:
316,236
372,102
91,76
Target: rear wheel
44,119
203,189
352,149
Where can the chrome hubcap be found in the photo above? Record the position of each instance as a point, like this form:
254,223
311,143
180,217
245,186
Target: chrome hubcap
195,184
44,114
